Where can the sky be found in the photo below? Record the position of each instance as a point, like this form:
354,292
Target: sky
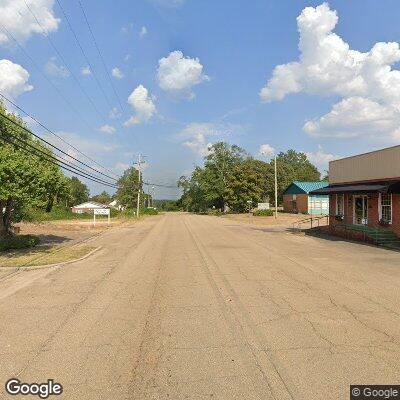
174,76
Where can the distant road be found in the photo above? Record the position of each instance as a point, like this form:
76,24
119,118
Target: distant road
181,306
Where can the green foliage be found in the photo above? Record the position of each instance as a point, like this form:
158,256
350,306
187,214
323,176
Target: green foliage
102,198
148,211
166,205
230,177
26,180
18,242
78,192
128,188
263,213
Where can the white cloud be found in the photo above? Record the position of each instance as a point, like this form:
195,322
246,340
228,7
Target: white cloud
168,3
121,166
369,87
52,68
127,57
321,159
197,136
178,74
143,31
115,113
117,73
266,150
109,129
13,79
143,105
86,71
19,21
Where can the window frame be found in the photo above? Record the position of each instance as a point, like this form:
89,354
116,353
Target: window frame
386,205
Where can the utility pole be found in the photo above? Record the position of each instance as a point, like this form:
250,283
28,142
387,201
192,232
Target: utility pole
276,192
139,164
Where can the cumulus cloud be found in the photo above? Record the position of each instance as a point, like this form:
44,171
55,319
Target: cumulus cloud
54,69
143,105
117,73
143,31
367,83
121,167
109,129
266,150
16,18
178,74
321,159
13,79
197,136
86,71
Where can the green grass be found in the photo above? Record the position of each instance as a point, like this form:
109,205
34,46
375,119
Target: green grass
263,213
18,242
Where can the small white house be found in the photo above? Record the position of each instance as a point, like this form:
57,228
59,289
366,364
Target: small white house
87,207
114,204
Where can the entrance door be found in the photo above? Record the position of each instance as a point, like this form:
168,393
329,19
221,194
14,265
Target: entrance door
360,210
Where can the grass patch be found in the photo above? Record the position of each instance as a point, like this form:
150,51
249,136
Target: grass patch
263,213
18,242
42,255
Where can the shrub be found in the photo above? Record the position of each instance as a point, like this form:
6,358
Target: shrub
148,211
263,213
18,242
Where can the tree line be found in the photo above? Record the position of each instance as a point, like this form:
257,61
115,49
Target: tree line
231,179
28,182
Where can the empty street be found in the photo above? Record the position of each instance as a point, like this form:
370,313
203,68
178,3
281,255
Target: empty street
198,307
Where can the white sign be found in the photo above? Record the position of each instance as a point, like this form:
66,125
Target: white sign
101,211
263,206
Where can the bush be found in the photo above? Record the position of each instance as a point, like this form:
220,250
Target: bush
18,242
148,211
263,213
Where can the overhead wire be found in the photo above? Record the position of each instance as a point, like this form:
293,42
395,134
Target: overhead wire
92,70
54,47
53,160
51,145
60,138
100,54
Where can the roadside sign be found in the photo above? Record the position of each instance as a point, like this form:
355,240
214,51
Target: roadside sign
101,211
263,206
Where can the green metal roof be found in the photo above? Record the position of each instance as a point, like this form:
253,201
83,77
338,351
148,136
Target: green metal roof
298,187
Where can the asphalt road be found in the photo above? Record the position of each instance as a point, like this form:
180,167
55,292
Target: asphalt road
195,307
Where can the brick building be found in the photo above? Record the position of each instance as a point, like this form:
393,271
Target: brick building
364,192
297,198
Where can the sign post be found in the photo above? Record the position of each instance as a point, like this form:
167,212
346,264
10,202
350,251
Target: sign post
101,211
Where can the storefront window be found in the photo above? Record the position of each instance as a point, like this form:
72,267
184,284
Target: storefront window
339,204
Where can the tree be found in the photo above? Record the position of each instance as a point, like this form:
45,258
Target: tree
128,186
291,166
103,198
78,191
248,182
26,180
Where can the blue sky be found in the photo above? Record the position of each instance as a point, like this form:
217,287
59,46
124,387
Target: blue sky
192,72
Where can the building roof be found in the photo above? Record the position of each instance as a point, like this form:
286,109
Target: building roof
378,187
300,187
90,204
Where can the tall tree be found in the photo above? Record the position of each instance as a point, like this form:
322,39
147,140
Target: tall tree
128,186
103,198
79,192
26,180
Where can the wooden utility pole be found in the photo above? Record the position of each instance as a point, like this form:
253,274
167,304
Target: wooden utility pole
276,192
139,164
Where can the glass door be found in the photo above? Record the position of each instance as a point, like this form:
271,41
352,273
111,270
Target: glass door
360,210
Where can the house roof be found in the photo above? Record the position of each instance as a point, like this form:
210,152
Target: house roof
300,187
90,204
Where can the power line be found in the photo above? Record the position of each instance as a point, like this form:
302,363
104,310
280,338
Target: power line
70,105
84,54
50,144
61,139
100,54
45,33
55,163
